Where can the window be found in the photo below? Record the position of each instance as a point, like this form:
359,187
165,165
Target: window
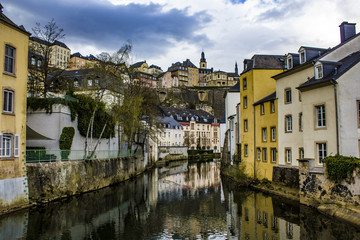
258,154
273,134
320,116
289,230
301,153
245,125
289,62
319,71
9,59
262,109
16,145
273,155
264,134
244,84
287,95
272,104
358,113
264,153
321,150
89,83
245,102
8,101
288,155
288,123
300,99
302,57
5,145
301,122
245,150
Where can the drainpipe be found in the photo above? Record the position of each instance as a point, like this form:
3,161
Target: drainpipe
334,83
254,143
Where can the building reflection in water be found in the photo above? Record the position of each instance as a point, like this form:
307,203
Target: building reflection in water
184,201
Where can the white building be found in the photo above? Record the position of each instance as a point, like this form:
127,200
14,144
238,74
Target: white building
170,133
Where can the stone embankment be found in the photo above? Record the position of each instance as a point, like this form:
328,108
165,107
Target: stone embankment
54,180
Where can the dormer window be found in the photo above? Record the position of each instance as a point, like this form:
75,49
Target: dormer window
302,57
289,62
318,71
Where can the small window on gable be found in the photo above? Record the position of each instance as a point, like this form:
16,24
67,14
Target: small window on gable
318,71
289,62
302,57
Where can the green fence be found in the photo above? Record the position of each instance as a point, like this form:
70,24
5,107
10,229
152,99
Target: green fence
46,155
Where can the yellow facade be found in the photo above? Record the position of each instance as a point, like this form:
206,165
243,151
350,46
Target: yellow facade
220,78
80,63
14,44
254,86
193,77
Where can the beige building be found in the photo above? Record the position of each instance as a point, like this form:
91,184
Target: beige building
59,52
78,61
318,101
14,44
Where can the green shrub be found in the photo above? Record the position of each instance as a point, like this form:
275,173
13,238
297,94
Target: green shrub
65,141
340,167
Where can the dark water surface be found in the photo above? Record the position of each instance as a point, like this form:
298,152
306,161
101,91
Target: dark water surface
183,201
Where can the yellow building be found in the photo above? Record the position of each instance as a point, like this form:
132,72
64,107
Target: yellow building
256,84
266,136
14,44
78,61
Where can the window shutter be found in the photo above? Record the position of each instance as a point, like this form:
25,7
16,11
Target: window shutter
1,145
16,145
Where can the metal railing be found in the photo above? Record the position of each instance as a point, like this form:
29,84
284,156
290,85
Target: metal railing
46,155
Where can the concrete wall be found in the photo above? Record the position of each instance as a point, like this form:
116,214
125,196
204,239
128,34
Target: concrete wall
316,187
49,181
173,151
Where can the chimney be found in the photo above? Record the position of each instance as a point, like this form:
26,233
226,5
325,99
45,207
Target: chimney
347,30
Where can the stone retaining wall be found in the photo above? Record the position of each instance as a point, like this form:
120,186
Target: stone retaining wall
316,187
53,180
286,175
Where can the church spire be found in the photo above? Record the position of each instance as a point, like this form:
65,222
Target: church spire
236,68
202,60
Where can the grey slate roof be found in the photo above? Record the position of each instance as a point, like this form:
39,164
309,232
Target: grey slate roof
138,64
187,115
170,122
264,62
188,63
56,42
339,68
268,98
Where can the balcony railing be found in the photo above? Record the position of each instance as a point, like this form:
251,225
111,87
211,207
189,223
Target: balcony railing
42,155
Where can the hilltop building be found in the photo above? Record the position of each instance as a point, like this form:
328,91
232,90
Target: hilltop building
14,43
78,61
203,70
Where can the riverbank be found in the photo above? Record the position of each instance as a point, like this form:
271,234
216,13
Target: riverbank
51,181
345,212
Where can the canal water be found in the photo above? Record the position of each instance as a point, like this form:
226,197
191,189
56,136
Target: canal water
182,201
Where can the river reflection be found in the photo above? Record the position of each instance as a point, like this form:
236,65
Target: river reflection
183,201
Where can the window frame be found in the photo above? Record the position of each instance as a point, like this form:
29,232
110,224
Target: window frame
273,134
273,152
321,153
245,105
272,107
288,124
287,96
264,134
246,126
288,156
262,109
320,116
244,83
9,59
258,152
301,123
301,153
6,145
246,150
264,155
319,71
5,108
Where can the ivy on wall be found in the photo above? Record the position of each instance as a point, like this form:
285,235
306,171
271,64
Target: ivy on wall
81,106
340,167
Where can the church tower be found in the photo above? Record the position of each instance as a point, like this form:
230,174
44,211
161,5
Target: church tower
236,69
203,61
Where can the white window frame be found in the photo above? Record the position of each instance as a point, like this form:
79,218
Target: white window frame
273,134
321,149
259,154
16,145
272,106
273,154
262,109
8,106
289,62
319,71
6,149
301,153
9,65
301,125
245,102
288,155
288,123
244,84
264,134
302,56
246,125
246,150
264,154
288,95
320,116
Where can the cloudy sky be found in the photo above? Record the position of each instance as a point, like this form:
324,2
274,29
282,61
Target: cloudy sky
166,31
